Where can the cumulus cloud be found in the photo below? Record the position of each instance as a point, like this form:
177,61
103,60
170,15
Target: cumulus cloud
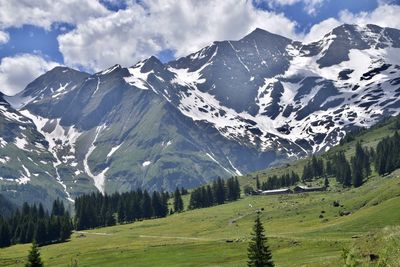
310,6
16,72
43,13
147,28
385,15
317,31
4,37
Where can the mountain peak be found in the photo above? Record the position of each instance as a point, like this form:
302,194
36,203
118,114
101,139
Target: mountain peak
153,60
351,29
62,69
110,69
152,63
259,33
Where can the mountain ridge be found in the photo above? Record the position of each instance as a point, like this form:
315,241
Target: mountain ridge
230,108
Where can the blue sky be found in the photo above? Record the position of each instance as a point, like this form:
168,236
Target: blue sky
92,35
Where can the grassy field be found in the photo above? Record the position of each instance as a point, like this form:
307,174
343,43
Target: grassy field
303,229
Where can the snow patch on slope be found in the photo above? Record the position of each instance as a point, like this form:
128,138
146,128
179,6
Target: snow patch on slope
98,179
138,78
113,149
4,160
21,143
57,139
3,143
146,163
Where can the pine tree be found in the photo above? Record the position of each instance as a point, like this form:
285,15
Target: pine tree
307,172
178,203
329,168
40,233
258,186
219,191
237,188
5,238
342,169
357,175
259,253
326,182
209,195
156,204
183,191
146,205
34,259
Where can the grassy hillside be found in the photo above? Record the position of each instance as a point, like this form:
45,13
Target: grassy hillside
303,229
368,138
298,236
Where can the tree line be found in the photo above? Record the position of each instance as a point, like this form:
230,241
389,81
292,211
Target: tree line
274,181
314,168
98,210
351,172
215,194
32,222
387,156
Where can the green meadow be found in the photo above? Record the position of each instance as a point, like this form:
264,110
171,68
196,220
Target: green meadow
302,229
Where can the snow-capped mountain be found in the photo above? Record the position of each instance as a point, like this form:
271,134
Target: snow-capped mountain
230,108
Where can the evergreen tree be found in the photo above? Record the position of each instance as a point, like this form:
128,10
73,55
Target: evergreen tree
156,204
357,175
307,172
326,182
146,205
329,168
121,212
232,189
237,188
34,259
258,186
259,254
5,237
41,233
178,203
183,191
219,191
342,169
294,178
209,195
387,155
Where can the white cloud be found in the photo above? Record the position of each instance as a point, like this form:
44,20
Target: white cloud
43,13
4,37
310,6
384,15
16,72
145,29
317,31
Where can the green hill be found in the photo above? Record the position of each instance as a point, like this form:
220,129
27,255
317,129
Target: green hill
303,229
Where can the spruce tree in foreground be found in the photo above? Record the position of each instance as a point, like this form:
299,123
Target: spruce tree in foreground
34,259
258,251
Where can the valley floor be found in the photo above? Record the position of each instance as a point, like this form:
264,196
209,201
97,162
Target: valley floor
303,230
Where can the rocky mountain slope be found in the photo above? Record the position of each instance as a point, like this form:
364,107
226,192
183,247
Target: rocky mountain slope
230,108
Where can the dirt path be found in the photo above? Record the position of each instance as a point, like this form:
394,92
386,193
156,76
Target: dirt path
234,220
177,237
90,233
